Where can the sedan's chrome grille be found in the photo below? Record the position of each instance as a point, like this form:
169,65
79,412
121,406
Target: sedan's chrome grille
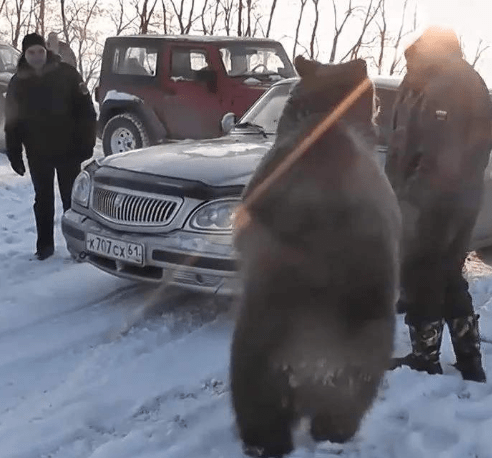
134,209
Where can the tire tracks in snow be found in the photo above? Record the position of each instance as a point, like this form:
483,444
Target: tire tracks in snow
119,292
193,331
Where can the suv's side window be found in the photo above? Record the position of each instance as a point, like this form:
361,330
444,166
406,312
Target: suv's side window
185,62
135,61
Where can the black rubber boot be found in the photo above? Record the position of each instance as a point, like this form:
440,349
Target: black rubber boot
401,306
426,340
44,253
466,343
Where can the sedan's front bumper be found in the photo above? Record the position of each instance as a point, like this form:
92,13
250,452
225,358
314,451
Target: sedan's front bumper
198,262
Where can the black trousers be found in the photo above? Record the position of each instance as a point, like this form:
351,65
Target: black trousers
42,176
433,257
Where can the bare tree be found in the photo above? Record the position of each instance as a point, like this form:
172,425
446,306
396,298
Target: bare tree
315,29
83,37
339,28
369,15
249,7
296,38
257,23
36,16
16,17
239,18
270,17
70,14
42,11
227,9
415,21
120,18
383,30
32,17
164,17
2,5
396,54
212,13
145,11
480,49
79,32
185,23
64,21
204,10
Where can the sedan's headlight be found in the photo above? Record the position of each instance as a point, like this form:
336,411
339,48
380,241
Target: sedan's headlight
215,216
82,189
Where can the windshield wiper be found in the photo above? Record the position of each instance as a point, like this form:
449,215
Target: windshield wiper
259,128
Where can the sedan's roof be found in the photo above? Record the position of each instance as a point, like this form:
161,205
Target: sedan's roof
383,82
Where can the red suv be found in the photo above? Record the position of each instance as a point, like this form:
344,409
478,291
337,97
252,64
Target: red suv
155,88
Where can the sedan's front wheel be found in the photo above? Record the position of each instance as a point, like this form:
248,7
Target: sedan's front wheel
124,132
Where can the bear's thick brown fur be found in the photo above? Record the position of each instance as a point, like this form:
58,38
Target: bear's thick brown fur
319,263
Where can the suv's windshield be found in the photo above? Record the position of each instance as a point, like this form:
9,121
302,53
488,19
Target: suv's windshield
256,60
267,111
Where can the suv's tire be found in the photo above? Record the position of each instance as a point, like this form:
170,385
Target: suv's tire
124,132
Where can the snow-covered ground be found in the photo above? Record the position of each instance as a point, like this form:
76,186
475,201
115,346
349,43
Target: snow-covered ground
95,366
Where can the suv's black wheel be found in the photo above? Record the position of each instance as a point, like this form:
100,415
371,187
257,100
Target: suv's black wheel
124,132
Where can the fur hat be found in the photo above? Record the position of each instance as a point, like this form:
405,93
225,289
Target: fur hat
32,39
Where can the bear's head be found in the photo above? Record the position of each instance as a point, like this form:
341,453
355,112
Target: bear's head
321,89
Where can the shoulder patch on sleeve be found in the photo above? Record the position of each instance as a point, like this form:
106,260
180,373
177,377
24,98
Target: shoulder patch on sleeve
83,88
441,115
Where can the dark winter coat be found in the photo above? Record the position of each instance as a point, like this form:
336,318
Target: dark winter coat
439,149
66,54
441,138
51,114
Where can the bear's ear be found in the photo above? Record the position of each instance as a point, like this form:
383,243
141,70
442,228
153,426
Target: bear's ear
304,66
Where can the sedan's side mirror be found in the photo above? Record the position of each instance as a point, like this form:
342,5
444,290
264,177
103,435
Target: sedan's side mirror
228,122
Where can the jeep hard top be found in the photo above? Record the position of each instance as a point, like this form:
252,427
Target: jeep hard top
155,88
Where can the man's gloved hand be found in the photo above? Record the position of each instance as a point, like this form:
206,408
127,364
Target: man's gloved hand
18,166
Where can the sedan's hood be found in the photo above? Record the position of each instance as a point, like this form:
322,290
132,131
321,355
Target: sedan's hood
225,161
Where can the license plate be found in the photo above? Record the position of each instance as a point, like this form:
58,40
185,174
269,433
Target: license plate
114,249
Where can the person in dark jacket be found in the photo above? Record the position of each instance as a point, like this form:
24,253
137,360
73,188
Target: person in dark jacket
61,48
48,111
439,148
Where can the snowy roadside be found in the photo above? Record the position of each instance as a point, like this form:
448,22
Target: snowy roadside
83,373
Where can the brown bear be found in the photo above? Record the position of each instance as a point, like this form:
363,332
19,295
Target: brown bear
319,263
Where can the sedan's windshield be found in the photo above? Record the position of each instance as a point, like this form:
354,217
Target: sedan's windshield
267,111
8,59
256,60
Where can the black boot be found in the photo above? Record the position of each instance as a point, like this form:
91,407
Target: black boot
401,306
426,340
466,344
44,253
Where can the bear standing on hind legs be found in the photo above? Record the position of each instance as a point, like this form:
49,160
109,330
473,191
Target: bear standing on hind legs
319,262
